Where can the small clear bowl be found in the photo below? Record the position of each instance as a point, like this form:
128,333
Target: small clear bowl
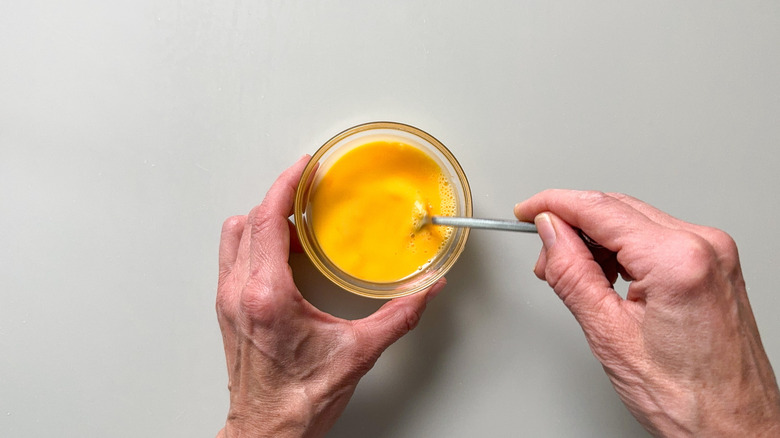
334,149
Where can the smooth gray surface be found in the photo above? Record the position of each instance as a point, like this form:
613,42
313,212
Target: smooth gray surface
130,129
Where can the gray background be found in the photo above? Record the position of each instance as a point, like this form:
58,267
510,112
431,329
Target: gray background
130,129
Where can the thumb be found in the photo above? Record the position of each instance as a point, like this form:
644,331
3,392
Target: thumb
394,319
568,266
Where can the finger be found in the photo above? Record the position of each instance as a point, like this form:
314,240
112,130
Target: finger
575,276
394,319
624,274
605,219
229,242
541,264
434,290
604,257
651,212
723,244
614,224
269,234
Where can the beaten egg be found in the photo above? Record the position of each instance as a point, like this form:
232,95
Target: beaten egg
366,211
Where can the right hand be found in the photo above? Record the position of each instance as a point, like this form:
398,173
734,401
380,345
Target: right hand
682,349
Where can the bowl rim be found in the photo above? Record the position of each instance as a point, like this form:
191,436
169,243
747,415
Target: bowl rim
360,289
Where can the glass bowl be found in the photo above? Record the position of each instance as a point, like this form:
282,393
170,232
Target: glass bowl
335,148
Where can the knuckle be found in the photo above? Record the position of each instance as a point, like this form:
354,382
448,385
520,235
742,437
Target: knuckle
256,307
232,223
593,195
224,304
595,198
694,263
563,277
725,247
258,216
258,300
723,240
620,196
546,193
411,319
261,220
222,292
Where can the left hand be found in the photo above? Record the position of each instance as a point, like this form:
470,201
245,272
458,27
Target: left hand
291,367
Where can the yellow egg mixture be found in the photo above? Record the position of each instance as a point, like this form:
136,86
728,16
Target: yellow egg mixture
366,211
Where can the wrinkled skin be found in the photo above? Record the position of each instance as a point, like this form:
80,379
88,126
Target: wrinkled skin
682,350
292,368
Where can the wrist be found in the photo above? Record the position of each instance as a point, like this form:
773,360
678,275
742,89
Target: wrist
754,421
750,408
725,415
291,413
282,415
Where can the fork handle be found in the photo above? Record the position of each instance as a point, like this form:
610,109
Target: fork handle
489,224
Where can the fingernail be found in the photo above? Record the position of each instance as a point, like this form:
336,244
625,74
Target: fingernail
546,230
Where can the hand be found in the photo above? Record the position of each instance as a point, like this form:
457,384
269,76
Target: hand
291,367
682,349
